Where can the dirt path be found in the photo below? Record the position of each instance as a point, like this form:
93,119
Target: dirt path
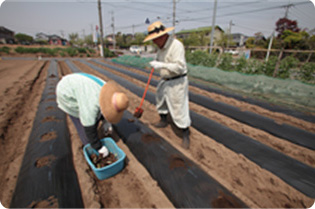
279,117
257,187
300,153
22,83
132,188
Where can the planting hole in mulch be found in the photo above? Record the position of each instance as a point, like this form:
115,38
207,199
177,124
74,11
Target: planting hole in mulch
51,93
147,138
48,136
225,201
49,108
52,76
177,162
50,202
44,161
49,119
101,162
131,120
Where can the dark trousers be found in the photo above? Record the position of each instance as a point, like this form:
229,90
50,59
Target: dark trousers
80,129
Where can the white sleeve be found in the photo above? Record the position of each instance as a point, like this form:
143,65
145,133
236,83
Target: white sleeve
178,61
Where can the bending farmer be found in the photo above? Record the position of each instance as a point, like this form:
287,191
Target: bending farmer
172,90
88,100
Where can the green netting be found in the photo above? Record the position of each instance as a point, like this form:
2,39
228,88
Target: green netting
134,61
286,91
291,91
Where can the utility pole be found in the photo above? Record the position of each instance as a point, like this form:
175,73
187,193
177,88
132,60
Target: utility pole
83,33
269,46
287,7
213,24
113,26
174,15
229,35
101,27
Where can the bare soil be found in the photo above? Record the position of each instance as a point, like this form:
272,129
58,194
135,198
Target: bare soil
22,83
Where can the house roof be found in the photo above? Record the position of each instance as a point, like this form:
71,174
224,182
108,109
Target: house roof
238,35
5,29
200,29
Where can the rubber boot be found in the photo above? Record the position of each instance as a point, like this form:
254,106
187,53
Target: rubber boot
162,123
186,140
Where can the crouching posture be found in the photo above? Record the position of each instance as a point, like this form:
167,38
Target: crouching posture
172,90
89,100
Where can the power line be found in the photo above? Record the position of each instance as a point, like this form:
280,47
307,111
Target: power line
306,18
223,7
238,13
263,9
140,24
222,15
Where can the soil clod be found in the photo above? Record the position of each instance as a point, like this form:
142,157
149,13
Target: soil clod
100,162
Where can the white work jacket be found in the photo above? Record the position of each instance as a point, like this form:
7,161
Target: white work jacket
172,94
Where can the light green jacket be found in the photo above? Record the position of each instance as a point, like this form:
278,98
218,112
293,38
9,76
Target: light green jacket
78,96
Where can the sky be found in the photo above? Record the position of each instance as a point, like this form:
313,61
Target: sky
64,17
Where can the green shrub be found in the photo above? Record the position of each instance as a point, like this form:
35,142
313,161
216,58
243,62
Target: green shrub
197,57
82,50
63,54
71,51
308,71
254,67
226,62
201,58
108,53
20,50
270,65
241,64
286,65
92,51
5,49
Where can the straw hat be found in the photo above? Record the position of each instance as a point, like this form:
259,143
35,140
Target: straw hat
156,30
113,102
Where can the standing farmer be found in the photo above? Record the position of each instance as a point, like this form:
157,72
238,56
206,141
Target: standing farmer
88,100
172,90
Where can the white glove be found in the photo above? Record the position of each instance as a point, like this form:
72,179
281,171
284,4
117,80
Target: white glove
156,64
107,128
103,151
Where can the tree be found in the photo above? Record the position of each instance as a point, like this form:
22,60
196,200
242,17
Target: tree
250,42
285,24
73,38
89,40
120,40
139,37
225,39
295,40
260,40
192,40
23,38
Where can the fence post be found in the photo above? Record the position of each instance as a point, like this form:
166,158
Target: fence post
278,63
309,57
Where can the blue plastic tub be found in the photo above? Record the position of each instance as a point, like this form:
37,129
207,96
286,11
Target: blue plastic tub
112,169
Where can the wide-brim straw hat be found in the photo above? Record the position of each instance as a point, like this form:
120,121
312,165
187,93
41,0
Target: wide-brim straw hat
156,30
113,102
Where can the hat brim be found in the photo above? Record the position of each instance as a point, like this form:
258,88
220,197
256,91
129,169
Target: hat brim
156,35
107,108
